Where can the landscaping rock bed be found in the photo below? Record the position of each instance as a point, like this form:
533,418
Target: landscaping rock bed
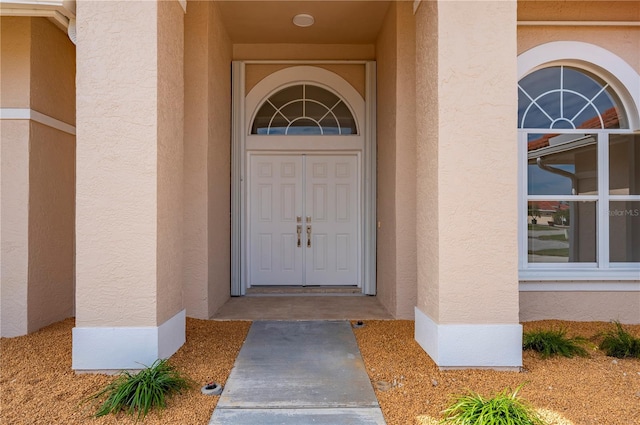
37,385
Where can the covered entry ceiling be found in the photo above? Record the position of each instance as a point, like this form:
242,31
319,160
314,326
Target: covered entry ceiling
336,21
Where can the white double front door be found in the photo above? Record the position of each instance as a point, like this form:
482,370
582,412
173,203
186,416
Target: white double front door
304,219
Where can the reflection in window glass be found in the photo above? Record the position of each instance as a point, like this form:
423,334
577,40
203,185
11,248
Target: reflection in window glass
562,97
624,164
562,164
304,110
561,231
624,231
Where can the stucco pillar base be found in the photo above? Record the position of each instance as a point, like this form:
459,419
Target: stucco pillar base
465,346
103,349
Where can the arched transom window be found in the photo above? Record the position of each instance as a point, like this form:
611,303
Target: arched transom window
580,174
304,109
561,97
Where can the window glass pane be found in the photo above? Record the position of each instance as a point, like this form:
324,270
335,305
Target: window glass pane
562,164
624,164
302,126
567,98
345,118
321,95
624,231
303,109
577,81
285,96
561,231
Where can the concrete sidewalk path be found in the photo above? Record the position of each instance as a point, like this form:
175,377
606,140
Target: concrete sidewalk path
298,373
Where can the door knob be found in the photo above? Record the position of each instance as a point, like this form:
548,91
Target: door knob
308,236
299,231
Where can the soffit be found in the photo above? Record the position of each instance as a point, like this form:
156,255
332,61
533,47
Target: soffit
336,21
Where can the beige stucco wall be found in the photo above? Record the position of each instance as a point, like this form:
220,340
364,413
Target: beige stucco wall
51,226
14,226
219,162
580,306
53,70
196,116
38,196
15,44
427,133
117,232
623,41
15,66
473,167
170,133
396,255
207,161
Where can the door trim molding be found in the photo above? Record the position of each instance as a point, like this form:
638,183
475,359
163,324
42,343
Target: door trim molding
238,176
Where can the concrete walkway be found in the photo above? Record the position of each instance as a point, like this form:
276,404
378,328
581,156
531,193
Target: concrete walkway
298,373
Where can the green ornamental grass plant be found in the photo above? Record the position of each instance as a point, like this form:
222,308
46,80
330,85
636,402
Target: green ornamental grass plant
505,408
553,342
142,391
620,343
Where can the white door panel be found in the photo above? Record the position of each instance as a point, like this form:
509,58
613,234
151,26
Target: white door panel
332,212
274,205
317,194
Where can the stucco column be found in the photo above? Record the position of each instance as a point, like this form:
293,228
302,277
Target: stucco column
37,147
467,309
130,97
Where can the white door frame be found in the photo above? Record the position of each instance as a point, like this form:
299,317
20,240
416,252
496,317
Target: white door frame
365,114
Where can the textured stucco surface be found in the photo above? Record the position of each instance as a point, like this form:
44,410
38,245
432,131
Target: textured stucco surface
15,44
53,72
196,115
14,226
396,254
207,161
38,72
386,57
219,163
117,164
170,133
405,204
427,133
51,226
580,306
476,166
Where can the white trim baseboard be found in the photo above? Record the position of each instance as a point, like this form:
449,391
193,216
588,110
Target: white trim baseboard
30,114
470,346
579,286
126,348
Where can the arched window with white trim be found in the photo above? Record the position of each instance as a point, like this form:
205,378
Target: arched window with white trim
304,109
580,172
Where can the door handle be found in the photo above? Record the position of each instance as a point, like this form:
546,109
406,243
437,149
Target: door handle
299,230
308,236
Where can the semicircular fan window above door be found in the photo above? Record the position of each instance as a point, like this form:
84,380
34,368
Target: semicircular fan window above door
304,109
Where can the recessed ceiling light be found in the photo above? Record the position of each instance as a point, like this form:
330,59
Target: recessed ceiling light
303,20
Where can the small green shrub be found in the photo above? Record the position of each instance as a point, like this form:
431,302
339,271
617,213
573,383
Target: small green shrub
554,342
620,343
505,408
142,391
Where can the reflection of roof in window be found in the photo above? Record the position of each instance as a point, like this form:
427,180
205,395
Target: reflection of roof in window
610,118
550,206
